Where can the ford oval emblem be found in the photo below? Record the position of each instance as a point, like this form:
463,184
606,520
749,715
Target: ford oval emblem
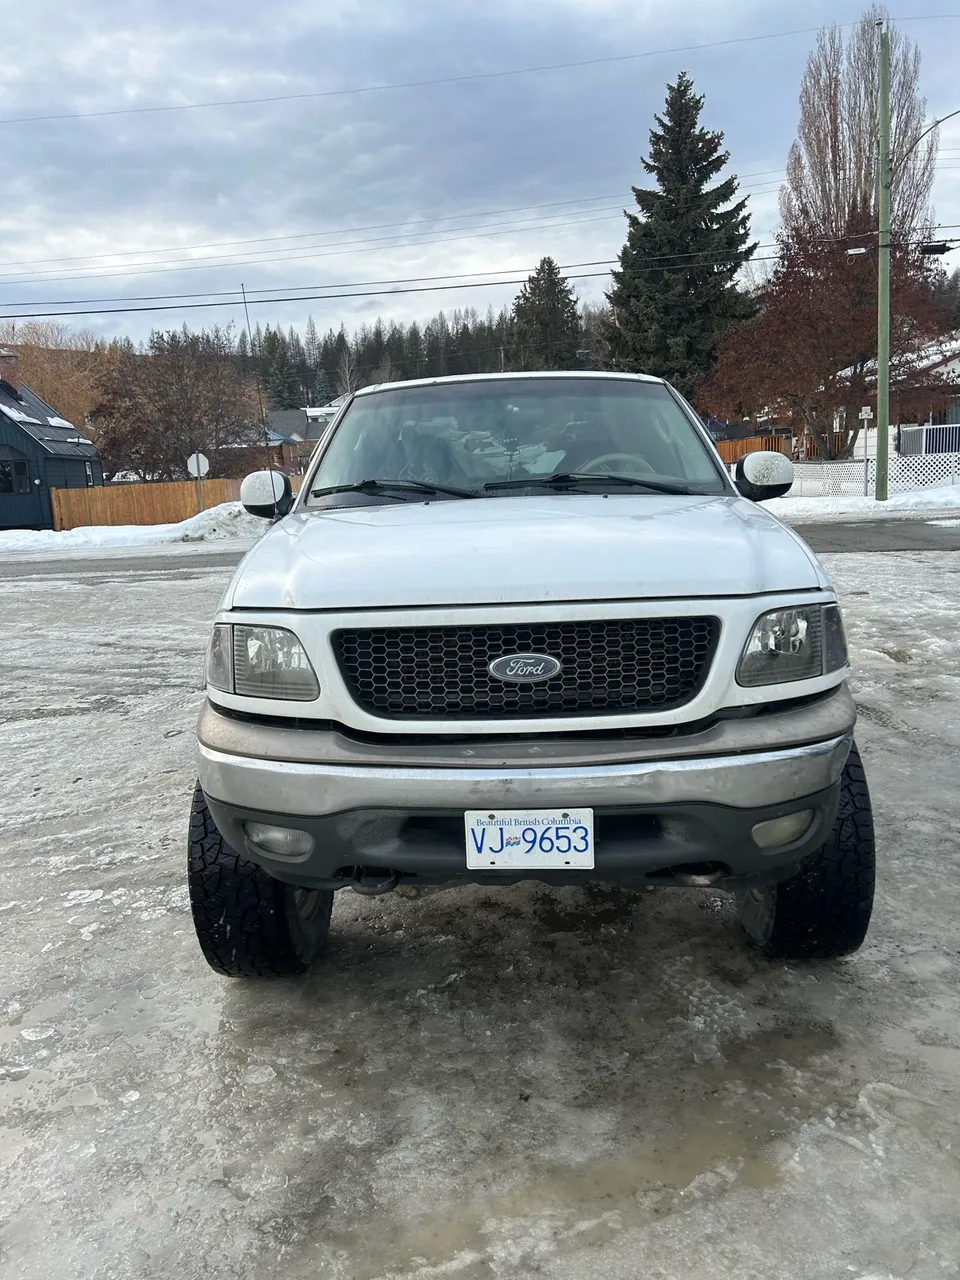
525,668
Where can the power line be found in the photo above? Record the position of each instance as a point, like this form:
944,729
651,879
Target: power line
298,252
414,84
376,226
442,80
367,245
305,235
231,294
330,297
227,294
468,281
311,297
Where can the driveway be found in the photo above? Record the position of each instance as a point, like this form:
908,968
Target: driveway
483,1083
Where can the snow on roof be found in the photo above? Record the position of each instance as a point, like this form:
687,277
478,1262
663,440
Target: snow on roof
12,411
929,356
38,421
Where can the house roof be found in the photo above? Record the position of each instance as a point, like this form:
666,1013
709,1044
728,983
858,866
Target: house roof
933,355
287,422
36,419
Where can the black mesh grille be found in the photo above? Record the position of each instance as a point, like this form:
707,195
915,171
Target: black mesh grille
629,665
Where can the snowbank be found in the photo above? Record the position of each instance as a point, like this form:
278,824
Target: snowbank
226,523
230,523
850,507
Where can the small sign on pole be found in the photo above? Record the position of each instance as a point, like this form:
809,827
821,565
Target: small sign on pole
866,415
198,465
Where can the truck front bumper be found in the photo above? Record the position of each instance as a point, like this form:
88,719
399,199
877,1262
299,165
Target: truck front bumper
668,815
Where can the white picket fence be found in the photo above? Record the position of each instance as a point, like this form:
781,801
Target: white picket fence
858,476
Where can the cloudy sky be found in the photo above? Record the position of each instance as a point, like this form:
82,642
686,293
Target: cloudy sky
321,194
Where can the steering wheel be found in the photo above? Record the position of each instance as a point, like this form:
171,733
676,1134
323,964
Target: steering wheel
632,463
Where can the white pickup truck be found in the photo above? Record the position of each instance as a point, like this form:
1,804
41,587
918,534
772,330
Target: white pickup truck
525,626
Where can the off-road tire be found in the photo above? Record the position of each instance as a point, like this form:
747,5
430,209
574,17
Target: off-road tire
248,924
824,909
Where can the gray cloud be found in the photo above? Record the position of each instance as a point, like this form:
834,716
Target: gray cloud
416,156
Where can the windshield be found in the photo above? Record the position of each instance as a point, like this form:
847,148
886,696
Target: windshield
467,435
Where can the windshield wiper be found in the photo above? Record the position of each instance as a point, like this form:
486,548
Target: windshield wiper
400,486
566,479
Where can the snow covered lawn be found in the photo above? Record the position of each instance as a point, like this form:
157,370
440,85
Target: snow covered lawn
850,507
226,523
230,523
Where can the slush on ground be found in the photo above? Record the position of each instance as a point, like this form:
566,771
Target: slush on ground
521,1082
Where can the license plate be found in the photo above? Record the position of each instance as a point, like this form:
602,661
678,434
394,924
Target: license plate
538,839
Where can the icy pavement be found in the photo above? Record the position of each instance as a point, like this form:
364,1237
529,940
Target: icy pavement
481,1085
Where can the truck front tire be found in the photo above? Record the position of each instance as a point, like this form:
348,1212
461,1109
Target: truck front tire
823,910
248,924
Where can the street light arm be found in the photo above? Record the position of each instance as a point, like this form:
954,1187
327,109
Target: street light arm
929,129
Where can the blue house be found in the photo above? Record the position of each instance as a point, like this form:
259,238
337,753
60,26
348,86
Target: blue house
39,451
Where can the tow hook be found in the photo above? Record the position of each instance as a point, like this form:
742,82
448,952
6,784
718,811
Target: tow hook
371,881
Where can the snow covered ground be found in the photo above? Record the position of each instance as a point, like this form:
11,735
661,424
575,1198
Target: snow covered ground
226,523
230,523
910,506
482,1085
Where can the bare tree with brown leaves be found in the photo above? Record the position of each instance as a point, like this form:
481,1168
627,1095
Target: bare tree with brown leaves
63,366
831,187
184,393
810,355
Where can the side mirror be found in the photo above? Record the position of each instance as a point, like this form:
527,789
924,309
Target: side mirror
764,475
267,494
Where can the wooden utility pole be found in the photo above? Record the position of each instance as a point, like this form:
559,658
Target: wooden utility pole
883,272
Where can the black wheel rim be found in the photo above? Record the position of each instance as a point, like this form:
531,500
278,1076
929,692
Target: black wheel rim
307,904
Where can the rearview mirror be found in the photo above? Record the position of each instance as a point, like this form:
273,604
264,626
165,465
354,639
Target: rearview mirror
267,494
764,475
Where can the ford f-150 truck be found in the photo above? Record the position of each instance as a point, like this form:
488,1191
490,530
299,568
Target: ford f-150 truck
525,626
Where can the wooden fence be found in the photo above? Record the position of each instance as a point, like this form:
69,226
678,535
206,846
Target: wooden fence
168,503
733,450
162,503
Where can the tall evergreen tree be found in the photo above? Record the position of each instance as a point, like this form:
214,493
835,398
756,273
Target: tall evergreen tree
546,323
416,356
303,375
243,352
322,388
675,293
278,371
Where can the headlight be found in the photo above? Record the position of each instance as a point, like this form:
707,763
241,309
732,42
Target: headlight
793,644
220,659
260,662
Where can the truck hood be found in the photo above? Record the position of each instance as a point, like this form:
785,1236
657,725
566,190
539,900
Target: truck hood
519,550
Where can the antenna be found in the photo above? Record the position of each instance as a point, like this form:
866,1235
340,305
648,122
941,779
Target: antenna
256,374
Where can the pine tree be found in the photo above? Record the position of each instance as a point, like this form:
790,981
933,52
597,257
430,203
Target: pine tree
416,357
675,293
546,322
322,390
243,352
302,376
278,371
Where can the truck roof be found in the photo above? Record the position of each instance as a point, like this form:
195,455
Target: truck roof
500,377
